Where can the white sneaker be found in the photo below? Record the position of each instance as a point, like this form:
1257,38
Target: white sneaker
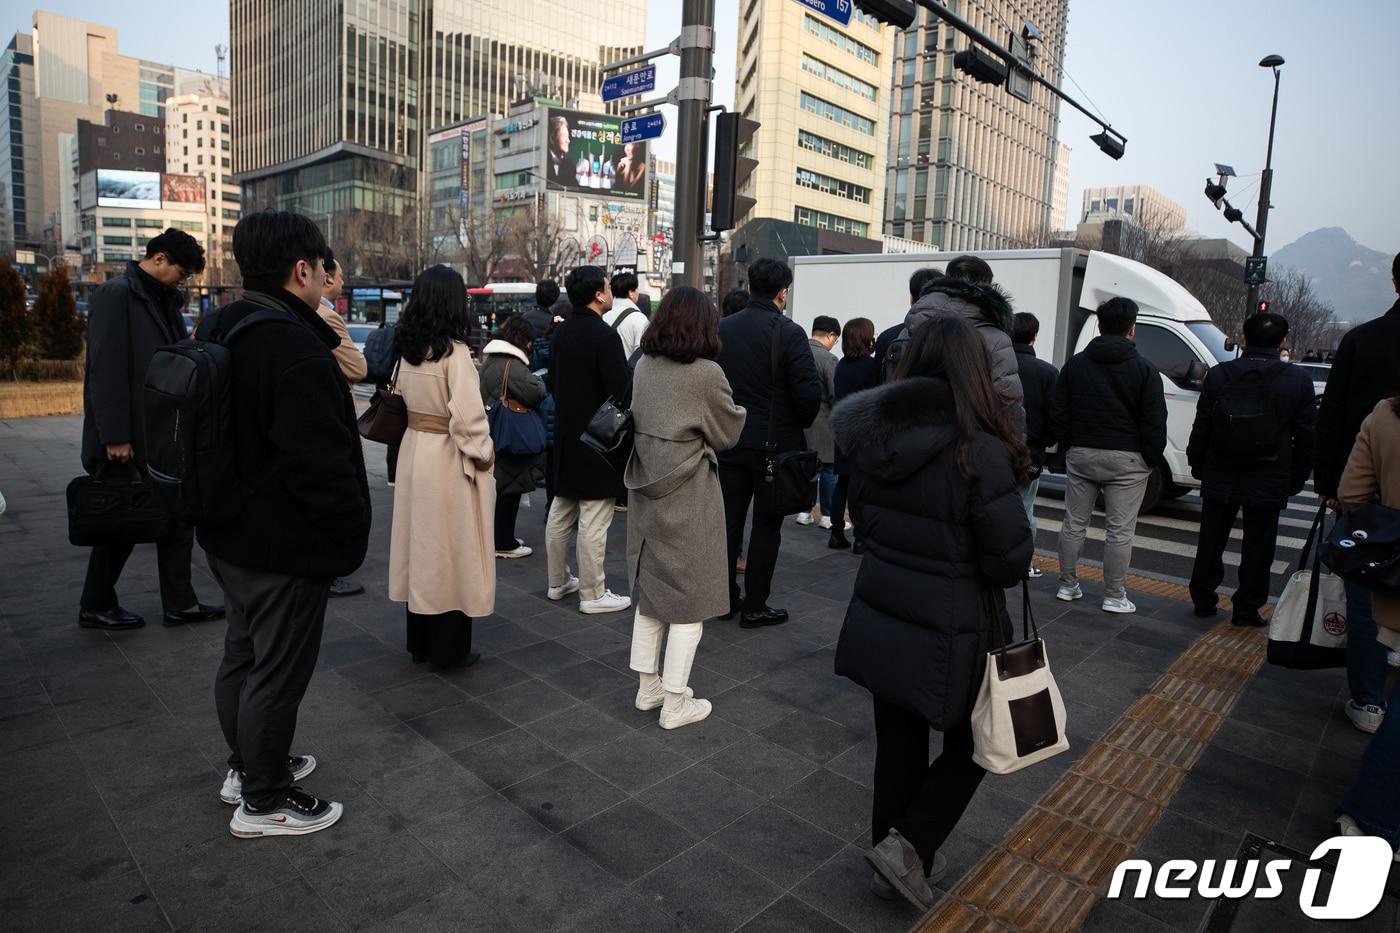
655,697
608,602
520,550
1365,718
1346,826
232,791
682,710
1034,573
1119,604
805,518
1069,593
1392,658
825,523
557,593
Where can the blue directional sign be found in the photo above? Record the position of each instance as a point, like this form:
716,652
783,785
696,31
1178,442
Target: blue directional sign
629,83
838,10
647,126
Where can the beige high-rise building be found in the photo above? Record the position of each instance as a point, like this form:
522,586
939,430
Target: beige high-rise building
331,115
821,94
970,166
199,141
1140,204
1059,191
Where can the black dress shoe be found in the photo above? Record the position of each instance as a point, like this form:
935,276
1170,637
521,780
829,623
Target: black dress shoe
1249,621
837,541
200,613
467,661
765,616
114,620
1204,610
734,610
858,547
344,586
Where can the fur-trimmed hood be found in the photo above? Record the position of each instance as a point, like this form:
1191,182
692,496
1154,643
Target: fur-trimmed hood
894,430
505,349
977,304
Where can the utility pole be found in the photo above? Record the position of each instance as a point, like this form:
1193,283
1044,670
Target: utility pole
1266,183
697,46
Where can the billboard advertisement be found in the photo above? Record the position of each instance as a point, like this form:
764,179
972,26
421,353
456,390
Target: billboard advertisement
584,152
182,189
119,188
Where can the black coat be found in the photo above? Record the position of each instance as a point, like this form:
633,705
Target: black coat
747,361
853,374
882,347
306,508
1267,484
129,319
1365,370
1109,397
939,550
586,368
539,320
1038,382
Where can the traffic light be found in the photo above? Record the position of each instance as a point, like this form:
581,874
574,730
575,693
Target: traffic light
898,13
1110,143
982,66
1263,307
1215,192
732,132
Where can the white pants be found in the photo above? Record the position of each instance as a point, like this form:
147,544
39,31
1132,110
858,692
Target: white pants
681,642
593,517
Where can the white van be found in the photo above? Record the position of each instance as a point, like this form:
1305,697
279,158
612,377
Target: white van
1061,287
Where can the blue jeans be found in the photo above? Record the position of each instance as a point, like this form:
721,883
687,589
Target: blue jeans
1366,657
826,485
1028,492
1372,800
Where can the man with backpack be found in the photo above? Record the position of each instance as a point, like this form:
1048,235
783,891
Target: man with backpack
1251,447
131,317
304,515
625,317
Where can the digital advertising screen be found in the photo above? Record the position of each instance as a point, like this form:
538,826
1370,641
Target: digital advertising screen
584,153
182,189
119,188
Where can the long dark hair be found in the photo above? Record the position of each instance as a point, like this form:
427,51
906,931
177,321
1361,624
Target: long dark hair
685,327
436,317
949,349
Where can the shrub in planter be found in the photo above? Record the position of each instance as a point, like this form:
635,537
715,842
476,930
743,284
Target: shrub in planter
16,323
60,328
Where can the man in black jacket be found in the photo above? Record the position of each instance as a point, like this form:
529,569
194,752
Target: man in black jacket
130,317
1038,383
889,335
794,396
540,317
1365,370
1258,485
1110,416
586,368
305,518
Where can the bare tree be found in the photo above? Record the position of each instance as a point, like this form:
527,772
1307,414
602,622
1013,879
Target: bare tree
486,241
538,239
1311,321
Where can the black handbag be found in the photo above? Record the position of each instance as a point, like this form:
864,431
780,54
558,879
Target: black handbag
789,478
115,505
610,433
1364,547
386,418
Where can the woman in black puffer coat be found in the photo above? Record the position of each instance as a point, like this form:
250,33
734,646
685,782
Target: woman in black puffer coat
937,462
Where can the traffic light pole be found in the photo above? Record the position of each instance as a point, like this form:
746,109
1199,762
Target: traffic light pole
692,138
1266,183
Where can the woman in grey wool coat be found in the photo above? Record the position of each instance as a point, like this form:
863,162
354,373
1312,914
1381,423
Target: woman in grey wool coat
683,413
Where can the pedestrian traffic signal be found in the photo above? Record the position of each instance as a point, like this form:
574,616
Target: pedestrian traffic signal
898,13
732,132
1215,192
1263,307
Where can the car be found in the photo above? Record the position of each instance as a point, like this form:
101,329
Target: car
359,333
191,322
1318,372
81,306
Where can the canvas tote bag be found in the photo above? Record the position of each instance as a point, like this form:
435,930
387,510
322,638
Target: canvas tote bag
1019,717
1308,630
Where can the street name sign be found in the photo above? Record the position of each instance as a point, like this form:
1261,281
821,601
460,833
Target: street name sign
838,10
629,83
646,126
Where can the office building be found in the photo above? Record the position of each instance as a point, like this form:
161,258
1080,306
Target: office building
332,120
821,94
199,141
1059,191
971,166
1139,204
19,151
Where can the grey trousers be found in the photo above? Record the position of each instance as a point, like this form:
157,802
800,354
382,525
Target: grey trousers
1122,477
270,652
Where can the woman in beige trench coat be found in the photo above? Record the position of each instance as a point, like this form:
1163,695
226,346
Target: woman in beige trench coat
442,557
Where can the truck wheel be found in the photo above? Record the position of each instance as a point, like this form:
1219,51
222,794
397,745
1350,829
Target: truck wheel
1177,492
1156,483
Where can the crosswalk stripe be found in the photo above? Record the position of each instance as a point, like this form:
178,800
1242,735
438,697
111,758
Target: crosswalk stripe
1159,545
1179,524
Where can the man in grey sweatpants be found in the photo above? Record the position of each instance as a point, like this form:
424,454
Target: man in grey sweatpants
1110,414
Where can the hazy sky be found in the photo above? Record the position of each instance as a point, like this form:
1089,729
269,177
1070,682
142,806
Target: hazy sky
1179,79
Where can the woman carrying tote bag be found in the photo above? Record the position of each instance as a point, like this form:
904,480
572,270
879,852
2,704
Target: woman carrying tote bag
934,491
506,377
1372,806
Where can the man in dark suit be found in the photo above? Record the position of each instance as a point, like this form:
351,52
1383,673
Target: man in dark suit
586,368
795,397
130,318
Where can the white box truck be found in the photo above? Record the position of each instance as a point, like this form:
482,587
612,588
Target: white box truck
1061,287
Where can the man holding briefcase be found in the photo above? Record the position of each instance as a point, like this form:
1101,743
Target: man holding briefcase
131,317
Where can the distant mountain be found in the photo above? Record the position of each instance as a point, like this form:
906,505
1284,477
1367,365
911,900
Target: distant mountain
1354,280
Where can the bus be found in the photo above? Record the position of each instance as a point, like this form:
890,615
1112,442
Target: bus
492,304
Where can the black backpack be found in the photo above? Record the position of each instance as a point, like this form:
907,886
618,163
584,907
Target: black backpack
1244,422
188,407
895,353
379,354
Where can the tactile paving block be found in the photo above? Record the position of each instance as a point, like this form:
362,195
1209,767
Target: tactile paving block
1175,716
1077,852
1144,738
1024,895
1215,699
1102,807
955,916
1137,774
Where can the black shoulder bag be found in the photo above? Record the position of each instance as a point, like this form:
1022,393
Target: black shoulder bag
790,478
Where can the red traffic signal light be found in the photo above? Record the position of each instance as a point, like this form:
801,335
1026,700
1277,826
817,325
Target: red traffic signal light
1263,308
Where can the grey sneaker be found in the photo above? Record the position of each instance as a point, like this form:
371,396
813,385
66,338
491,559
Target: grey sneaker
886,892
232,791
299,814
898,862
1069,593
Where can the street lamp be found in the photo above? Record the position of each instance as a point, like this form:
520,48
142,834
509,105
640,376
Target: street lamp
1266,181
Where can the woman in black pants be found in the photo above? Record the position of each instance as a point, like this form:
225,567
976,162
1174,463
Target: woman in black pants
937,463
505,370
855,371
